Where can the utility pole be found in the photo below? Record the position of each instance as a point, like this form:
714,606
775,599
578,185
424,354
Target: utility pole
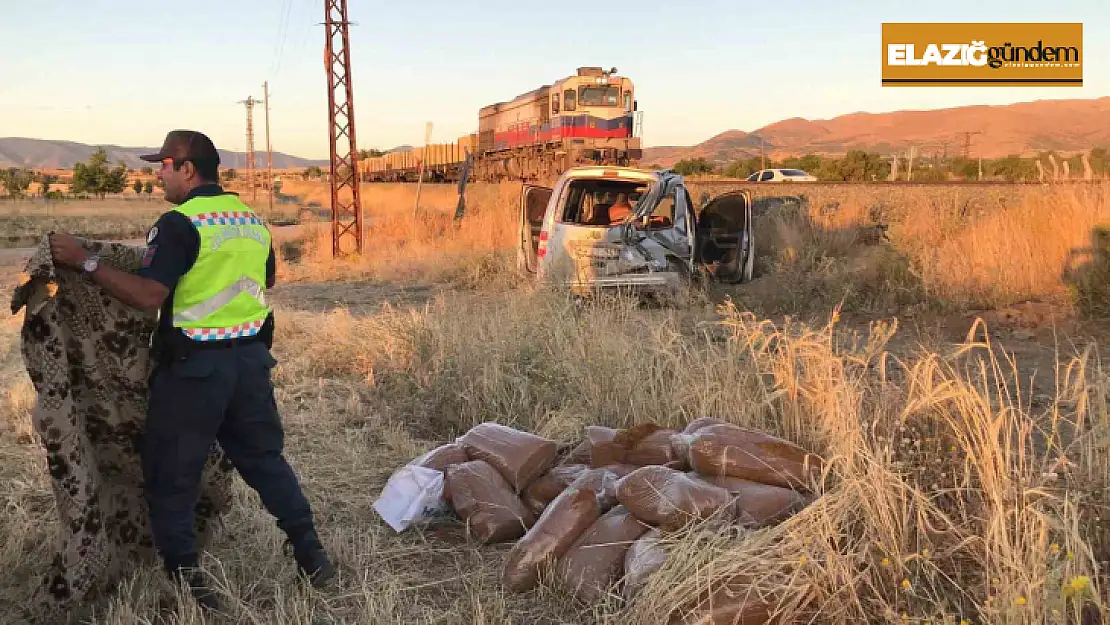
346,215
423,162
269,186
762,158
250,102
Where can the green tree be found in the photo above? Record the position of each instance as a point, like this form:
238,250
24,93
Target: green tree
1012,168
148,188
45,180
138,186
693,166
16,181
810,163
95,176
858,166
745,167
313,172
370,153
230,174
147,171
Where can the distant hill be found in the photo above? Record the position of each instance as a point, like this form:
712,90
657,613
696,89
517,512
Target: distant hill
50,154
1025,128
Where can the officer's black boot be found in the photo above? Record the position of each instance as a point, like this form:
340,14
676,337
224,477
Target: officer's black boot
312,560
186,569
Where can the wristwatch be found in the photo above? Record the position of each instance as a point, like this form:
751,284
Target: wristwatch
91,263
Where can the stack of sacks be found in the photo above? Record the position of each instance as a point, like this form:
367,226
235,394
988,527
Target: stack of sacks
600,514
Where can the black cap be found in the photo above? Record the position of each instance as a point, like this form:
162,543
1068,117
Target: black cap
185,145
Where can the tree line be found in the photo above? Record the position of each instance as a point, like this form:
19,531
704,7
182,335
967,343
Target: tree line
865,166
95,177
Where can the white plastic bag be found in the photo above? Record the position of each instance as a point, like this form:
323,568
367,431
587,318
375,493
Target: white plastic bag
412,494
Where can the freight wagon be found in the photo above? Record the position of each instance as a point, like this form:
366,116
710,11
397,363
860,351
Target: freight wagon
584,119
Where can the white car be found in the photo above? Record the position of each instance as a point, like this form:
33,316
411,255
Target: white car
781,175
656,241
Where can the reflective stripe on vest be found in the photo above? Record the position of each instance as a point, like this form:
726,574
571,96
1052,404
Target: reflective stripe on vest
201,310
223,295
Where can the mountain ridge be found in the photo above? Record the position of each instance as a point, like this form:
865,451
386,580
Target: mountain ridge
997,130
63,154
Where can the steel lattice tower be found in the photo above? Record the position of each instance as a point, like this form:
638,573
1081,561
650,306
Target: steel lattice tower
346,202
250,102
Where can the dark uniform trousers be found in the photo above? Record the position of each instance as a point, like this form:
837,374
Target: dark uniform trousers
220,394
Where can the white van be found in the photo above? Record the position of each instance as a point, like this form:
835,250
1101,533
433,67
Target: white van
627,228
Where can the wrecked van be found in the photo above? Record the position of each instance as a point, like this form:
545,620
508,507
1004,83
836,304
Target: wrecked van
630,229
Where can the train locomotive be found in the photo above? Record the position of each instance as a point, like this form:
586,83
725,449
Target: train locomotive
584,119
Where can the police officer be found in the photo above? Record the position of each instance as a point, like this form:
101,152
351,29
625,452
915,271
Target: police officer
207,266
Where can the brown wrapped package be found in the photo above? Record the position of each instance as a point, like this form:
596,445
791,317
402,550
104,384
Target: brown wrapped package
680,443
620,470
520,457
442,457
766,504
579,455
561,524
644,558
596,560
654,448
739,452
484,500
604,450
545,489
732,602
700,423
602,481
669,499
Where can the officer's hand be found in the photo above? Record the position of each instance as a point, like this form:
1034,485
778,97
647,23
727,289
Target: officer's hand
65,250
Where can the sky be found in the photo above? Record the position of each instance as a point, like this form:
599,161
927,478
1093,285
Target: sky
125,73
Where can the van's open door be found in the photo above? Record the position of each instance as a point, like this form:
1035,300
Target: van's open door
724,242
533,206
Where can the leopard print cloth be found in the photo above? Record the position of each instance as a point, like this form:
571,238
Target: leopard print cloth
87,355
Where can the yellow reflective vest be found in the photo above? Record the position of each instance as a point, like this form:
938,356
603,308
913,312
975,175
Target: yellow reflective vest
223,296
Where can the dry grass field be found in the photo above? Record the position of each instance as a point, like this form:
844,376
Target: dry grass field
949,373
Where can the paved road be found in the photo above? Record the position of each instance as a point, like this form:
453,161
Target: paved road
19,255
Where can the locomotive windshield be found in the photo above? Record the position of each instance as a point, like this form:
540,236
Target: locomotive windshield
600,95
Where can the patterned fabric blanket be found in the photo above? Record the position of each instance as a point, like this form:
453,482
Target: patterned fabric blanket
87,355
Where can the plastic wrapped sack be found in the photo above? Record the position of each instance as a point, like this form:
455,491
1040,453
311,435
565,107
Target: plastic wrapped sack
562,522
602,481
602,448
739,452
442,457
484,499
596,560
700,423
765,504
732,602
520,457
545,489
643,558
653,447
412,494
668,498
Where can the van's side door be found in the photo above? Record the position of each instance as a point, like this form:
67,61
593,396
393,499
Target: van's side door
533,206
